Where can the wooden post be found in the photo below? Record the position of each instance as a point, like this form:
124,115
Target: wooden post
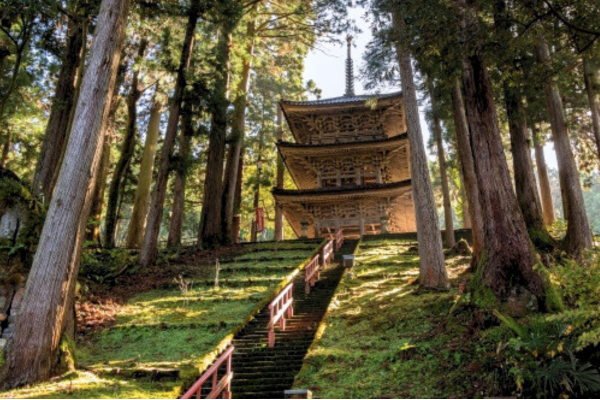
362,227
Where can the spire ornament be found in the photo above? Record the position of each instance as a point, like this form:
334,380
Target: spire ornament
349,70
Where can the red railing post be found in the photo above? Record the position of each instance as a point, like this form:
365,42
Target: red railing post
279,307
218,386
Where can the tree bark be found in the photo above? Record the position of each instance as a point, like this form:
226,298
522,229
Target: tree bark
525,185
465,154
431,256
579,236
437,133
542,172
509,255
280,172
210,234
148,251
135,233
55,136
174,239
32,351
238,128
466,217
127,150
590,84
237,204
98,196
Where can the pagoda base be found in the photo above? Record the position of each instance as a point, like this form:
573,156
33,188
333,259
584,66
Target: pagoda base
359,210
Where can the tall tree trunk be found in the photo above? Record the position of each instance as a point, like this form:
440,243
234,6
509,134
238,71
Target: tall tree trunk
542,172
509,255
148,251
431,256
55,136
135,233
579,235
237,202
238,128
210,234
279,182
437,133
526,187
590,84
93,231
465,153
127,150
33,350
466,216
6,149
174,239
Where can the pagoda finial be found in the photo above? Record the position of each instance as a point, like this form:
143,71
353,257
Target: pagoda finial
349,70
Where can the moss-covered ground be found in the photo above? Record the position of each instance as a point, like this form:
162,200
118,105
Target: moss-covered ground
159,332
385,338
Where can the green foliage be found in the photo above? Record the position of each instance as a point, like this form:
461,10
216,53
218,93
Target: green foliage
101,265
542,361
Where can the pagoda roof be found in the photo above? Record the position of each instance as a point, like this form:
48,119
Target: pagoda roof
346,118
338,193
297,157
357,100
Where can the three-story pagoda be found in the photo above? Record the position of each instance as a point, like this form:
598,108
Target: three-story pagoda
350,163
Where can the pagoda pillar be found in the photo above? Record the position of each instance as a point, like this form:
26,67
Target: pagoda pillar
361,226
378,175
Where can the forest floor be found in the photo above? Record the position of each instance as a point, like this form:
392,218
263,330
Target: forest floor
383,337
136,336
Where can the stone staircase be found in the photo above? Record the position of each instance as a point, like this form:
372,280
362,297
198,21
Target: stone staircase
265,372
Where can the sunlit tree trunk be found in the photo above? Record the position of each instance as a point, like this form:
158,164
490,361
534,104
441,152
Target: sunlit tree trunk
135,233
431,256
237,205
177,213
279,182
437,133
210,233
579,235
542,172
55,136
154,217
127,149
32,352
238,127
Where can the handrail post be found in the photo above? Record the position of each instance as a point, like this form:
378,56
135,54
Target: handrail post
227,391
271,328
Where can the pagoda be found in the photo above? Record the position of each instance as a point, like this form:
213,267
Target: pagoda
350,163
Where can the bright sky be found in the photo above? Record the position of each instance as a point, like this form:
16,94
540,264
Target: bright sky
326,67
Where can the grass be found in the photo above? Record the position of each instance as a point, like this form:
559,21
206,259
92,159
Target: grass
159,332
384,338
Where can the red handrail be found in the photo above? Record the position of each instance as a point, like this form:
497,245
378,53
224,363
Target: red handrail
218,386
327,253
277,310
311,273
339,239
